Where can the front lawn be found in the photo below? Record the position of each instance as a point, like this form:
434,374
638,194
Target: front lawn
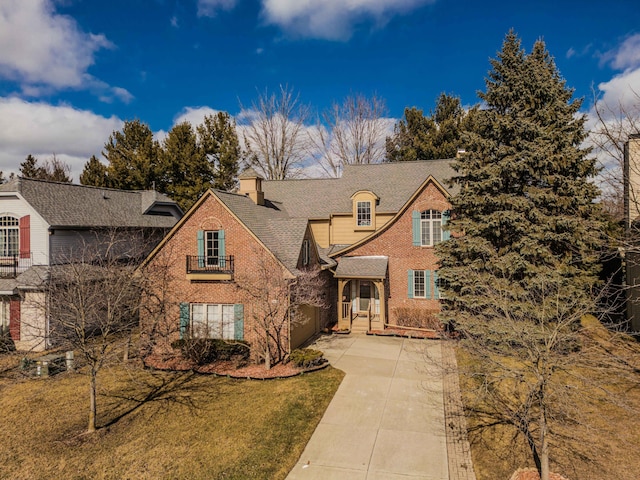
158,424
602,445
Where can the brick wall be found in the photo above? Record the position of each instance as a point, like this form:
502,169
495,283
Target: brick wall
239,242
251,260
396,242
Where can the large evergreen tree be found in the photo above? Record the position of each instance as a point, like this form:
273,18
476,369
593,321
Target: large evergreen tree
518,271
94,173
438,135
132,156
185,173
218,139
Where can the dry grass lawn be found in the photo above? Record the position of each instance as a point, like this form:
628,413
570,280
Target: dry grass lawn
603,447
157,425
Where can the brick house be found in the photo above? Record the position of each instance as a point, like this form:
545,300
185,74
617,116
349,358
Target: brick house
372,233
46,225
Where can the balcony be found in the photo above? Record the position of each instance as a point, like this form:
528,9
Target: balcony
201,268
13,265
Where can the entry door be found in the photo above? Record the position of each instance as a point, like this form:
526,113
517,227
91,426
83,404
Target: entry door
365,295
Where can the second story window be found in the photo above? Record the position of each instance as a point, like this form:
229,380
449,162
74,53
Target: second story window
364,214
212,249
9,236
430,227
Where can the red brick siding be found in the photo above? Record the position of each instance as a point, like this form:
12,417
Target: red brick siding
396,242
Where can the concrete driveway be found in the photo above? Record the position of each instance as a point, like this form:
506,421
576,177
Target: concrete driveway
386,420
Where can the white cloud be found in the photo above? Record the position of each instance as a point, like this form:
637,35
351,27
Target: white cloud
42,129
44,51
332,19
624,56
209,8
194,115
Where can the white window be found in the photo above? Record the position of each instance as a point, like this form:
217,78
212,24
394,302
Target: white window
212,321
419,290
363,210
212,247
430,227
9,235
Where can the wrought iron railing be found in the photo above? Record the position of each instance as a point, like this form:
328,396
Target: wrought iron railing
200,264
13,265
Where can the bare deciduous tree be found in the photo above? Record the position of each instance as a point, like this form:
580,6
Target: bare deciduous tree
614,125
93,303
274,133
277,305
537,372
352,132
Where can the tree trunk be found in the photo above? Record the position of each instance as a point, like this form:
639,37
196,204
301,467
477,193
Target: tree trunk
544,446
127,347
92,402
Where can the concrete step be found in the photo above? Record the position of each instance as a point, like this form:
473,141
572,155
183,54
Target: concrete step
359,325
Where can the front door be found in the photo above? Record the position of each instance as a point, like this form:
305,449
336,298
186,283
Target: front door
365,295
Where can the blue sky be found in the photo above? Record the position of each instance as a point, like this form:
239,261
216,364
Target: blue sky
72,70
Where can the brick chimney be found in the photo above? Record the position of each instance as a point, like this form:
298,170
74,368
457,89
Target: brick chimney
251,186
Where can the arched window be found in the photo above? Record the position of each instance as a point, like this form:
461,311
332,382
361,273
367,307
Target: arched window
9,236
430,227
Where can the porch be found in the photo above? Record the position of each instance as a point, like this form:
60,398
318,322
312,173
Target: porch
361,293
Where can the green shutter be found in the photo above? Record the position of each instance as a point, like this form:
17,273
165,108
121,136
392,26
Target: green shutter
221,249
446,215
238,321
427,284
417,234
410,284
184,319
436,292
201,248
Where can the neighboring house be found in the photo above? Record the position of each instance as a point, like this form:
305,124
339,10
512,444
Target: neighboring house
46,224
372,231
632,223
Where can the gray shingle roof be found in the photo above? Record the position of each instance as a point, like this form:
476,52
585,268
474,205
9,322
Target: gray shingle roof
282,222
362,267
72,205
394,183
281,234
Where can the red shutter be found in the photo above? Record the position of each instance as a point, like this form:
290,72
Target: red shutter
14,319
25,237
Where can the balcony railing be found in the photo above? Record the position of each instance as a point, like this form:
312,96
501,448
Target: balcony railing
13,265
199,264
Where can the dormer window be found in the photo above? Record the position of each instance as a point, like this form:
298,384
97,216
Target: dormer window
364,214
364,210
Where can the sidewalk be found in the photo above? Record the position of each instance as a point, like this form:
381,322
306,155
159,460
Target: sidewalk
387,419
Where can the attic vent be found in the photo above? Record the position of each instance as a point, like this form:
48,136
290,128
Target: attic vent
105,196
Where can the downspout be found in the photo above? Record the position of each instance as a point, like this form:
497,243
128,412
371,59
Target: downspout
293,282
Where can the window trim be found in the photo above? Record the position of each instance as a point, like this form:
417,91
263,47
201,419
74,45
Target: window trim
435,218
364,215
226,326
9,236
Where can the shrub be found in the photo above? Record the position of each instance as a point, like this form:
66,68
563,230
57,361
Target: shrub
208,350
417,318
307,357
6,343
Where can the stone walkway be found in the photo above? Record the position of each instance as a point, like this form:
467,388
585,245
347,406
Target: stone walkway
387,419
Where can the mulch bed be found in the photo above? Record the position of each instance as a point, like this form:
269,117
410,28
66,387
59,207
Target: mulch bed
228,368
532,474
